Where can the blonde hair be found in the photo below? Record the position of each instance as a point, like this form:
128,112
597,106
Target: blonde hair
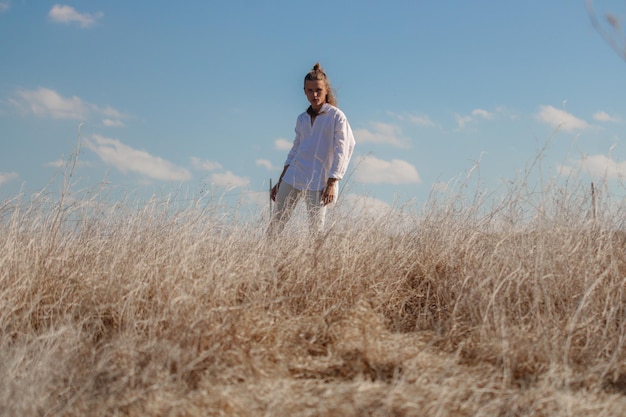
318,74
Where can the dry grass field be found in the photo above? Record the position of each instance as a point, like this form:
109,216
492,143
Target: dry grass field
516,309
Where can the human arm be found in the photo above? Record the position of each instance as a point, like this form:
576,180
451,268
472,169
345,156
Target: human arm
343,147
290,156
330,191
274,189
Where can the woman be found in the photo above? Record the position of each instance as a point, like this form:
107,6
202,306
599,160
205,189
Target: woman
318,158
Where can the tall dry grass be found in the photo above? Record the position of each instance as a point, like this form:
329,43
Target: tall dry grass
510,307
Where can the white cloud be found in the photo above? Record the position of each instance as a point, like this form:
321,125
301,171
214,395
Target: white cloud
367,211
67,14
377,171
364,206
45,102
416,119
258,199
123,157
61,162
482,113
110,112
564,170
602,166
205,164
4,6
602,116
560,119
440,187
112,123
266,164
282,144
229,180
7,176
596,166
461,121
55,164
384,133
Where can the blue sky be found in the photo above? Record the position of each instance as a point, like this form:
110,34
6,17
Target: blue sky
203,95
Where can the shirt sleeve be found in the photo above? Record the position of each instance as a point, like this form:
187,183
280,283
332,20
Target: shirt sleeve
343,147
296,143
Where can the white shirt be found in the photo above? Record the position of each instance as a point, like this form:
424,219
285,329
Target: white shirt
320,151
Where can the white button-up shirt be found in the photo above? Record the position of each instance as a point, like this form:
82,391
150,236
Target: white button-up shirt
320,151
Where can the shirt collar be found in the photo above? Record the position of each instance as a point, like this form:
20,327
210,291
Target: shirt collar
324,109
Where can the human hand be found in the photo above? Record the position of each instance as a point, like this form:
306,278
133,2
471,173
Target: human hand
273,192
329,194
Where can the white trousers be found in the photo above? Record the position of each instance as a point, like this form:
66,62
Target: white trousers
287,198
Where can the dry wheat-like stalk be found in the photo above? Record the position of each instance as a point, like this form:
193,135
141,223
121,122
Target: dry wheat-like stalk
508,307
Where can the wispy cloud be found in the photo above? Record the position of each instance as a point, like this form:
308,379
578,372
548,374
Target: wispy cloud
67,14
364,206
4,6
602,116
463,120
205,164
229,180
59,163
598,166
382,133
45,102
7,176
258,199
55,164
483,114
127,159
221,179
560,119
282,144
112,123
267,165
422,120
372,170
440,187
109,111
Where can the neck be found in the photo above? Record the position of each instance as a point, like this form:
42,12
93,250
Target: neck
314,111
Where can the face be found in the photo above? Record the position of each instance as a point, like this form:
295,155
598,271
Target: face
315,91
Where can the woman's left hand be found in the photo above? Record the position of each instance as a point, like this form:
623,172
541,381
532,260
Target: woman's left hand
329,193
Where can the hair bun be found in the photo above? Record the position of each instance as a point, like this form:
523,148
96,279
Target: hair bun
317,67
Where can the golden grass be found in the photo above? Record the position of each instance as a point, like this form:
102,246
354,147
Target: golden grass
462,311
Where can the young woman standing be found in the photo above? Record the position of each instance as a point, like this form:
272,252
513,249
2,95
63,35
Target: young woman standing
317,160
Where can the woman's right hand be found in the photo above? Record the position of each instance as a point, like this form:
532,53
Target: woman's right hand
273,192
274,189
